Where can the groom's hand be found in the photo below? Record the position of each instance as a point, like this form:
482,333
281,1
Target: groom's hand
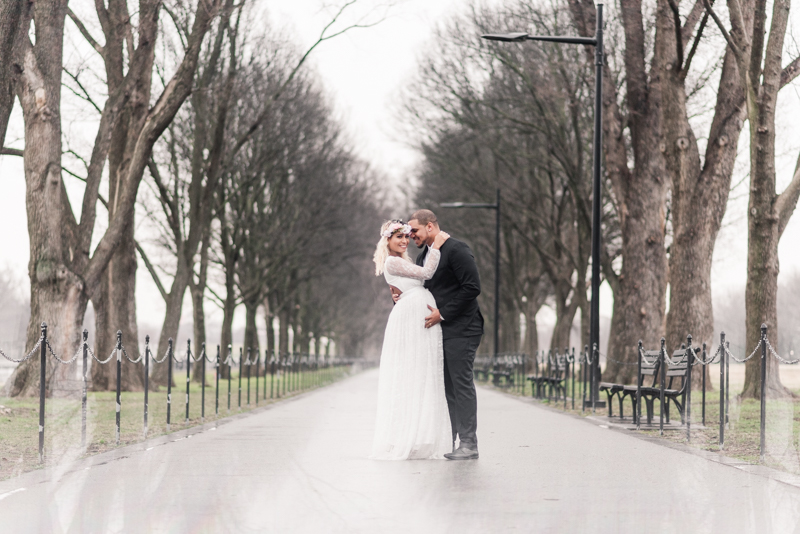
434,318
395,293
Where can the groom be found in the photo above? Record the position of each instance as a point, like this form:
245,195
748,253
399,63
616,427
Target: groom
455,287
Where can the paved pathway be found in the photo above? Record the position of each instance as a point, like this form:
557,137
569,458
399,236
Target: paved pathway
301,466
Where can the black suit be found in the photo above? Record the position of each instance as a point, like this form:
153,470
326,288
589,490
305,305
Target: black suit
455,287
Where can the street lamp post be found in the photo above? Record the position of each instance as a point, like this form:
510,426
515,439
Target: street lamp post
496,208
597,42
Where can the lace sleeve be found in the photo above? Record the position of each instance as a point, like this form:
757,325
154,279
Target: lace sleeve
400,267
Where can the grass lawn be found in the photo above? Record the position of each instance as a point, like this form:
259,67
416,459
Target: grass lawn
19,417
742,434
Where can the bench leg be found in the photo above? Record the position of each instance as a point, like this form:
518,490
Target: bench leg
681,411
610,409
649,403
666,408
621,404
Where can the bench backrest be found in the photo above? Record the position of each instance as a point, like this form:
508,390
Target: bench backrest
680,368
650,366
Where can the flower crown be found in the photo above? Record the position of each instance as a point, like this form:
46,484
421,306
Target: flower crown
394,227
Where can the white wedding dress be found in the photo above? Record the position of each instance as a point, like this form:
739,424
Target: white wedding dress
412,421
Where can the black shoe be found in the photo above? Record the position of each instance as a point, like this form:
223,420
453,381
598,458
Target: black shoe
462,453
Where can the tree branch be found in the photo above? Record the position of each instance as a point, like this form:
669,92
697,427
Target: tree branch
85,95
275,96
736,50
695,44
787,201
676,22
12,152
81,28
790,72
152,270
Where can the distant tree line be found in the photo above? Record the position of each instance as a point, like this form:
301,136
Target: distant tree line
679,85
216,162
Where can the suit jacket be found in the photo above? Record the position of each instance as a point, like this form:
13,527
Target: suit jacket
455,287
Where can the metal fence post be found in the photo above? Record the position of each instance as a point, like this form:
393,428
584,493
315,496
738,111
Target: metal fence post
594,369
705,356
188,373
272,376
216,379
574,364
42,385
169,382
763,388
727,382
637,413
249,366
721,390
258,364
83,393
230,372
203,383
663,372
688,408
146,379
584,369
119,379
241,363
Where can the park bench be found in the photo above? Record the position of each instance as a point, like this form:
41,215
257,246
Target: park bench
482,368
552,378
651,362
542,374
557,380
677,368
503,366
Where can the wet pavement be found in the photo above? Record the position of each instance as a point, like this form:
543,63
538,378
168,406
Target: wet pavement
301,466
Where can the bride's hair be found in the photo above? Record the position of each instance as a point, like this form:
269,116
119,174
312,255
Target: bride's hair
388,229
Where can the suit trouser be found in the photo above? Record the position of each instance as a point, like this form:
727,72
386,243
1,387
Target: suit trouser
459,388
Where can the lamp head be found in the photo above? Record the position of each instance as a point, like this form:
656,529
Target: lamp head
514,37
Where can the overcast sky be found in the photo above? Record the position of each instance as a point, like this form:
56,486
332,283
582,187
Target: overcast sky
364,72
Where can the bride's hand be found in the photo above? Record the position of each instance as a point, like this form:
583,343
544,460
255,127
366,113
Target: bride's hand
440,238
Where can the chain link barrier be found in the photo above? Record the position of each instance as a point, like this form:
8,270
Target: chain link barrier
54,355
27,357
755,350
137,360
163,358
707,361
98,360
789,362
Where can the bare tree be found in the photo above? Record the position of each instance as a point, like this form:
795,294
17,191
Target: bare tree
64,273
758,51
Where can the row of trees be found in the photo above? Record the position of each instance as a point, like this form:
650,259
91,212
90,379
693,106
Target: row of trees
518,117
251,190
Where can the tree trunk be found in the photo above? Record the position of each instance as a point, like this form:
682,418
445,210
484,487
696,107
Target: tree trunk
199,327
172,321
118,312
699,189
768,213
10,15
251,330
640,191
617,372
198,291
565,315
531,346
283,331
226,336
57,293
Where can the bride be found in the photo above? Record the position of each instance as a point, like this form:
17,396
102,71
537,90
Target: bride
412,420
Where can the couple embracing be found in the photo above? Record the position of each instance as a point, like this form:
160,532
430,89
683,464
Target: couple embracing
426,393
